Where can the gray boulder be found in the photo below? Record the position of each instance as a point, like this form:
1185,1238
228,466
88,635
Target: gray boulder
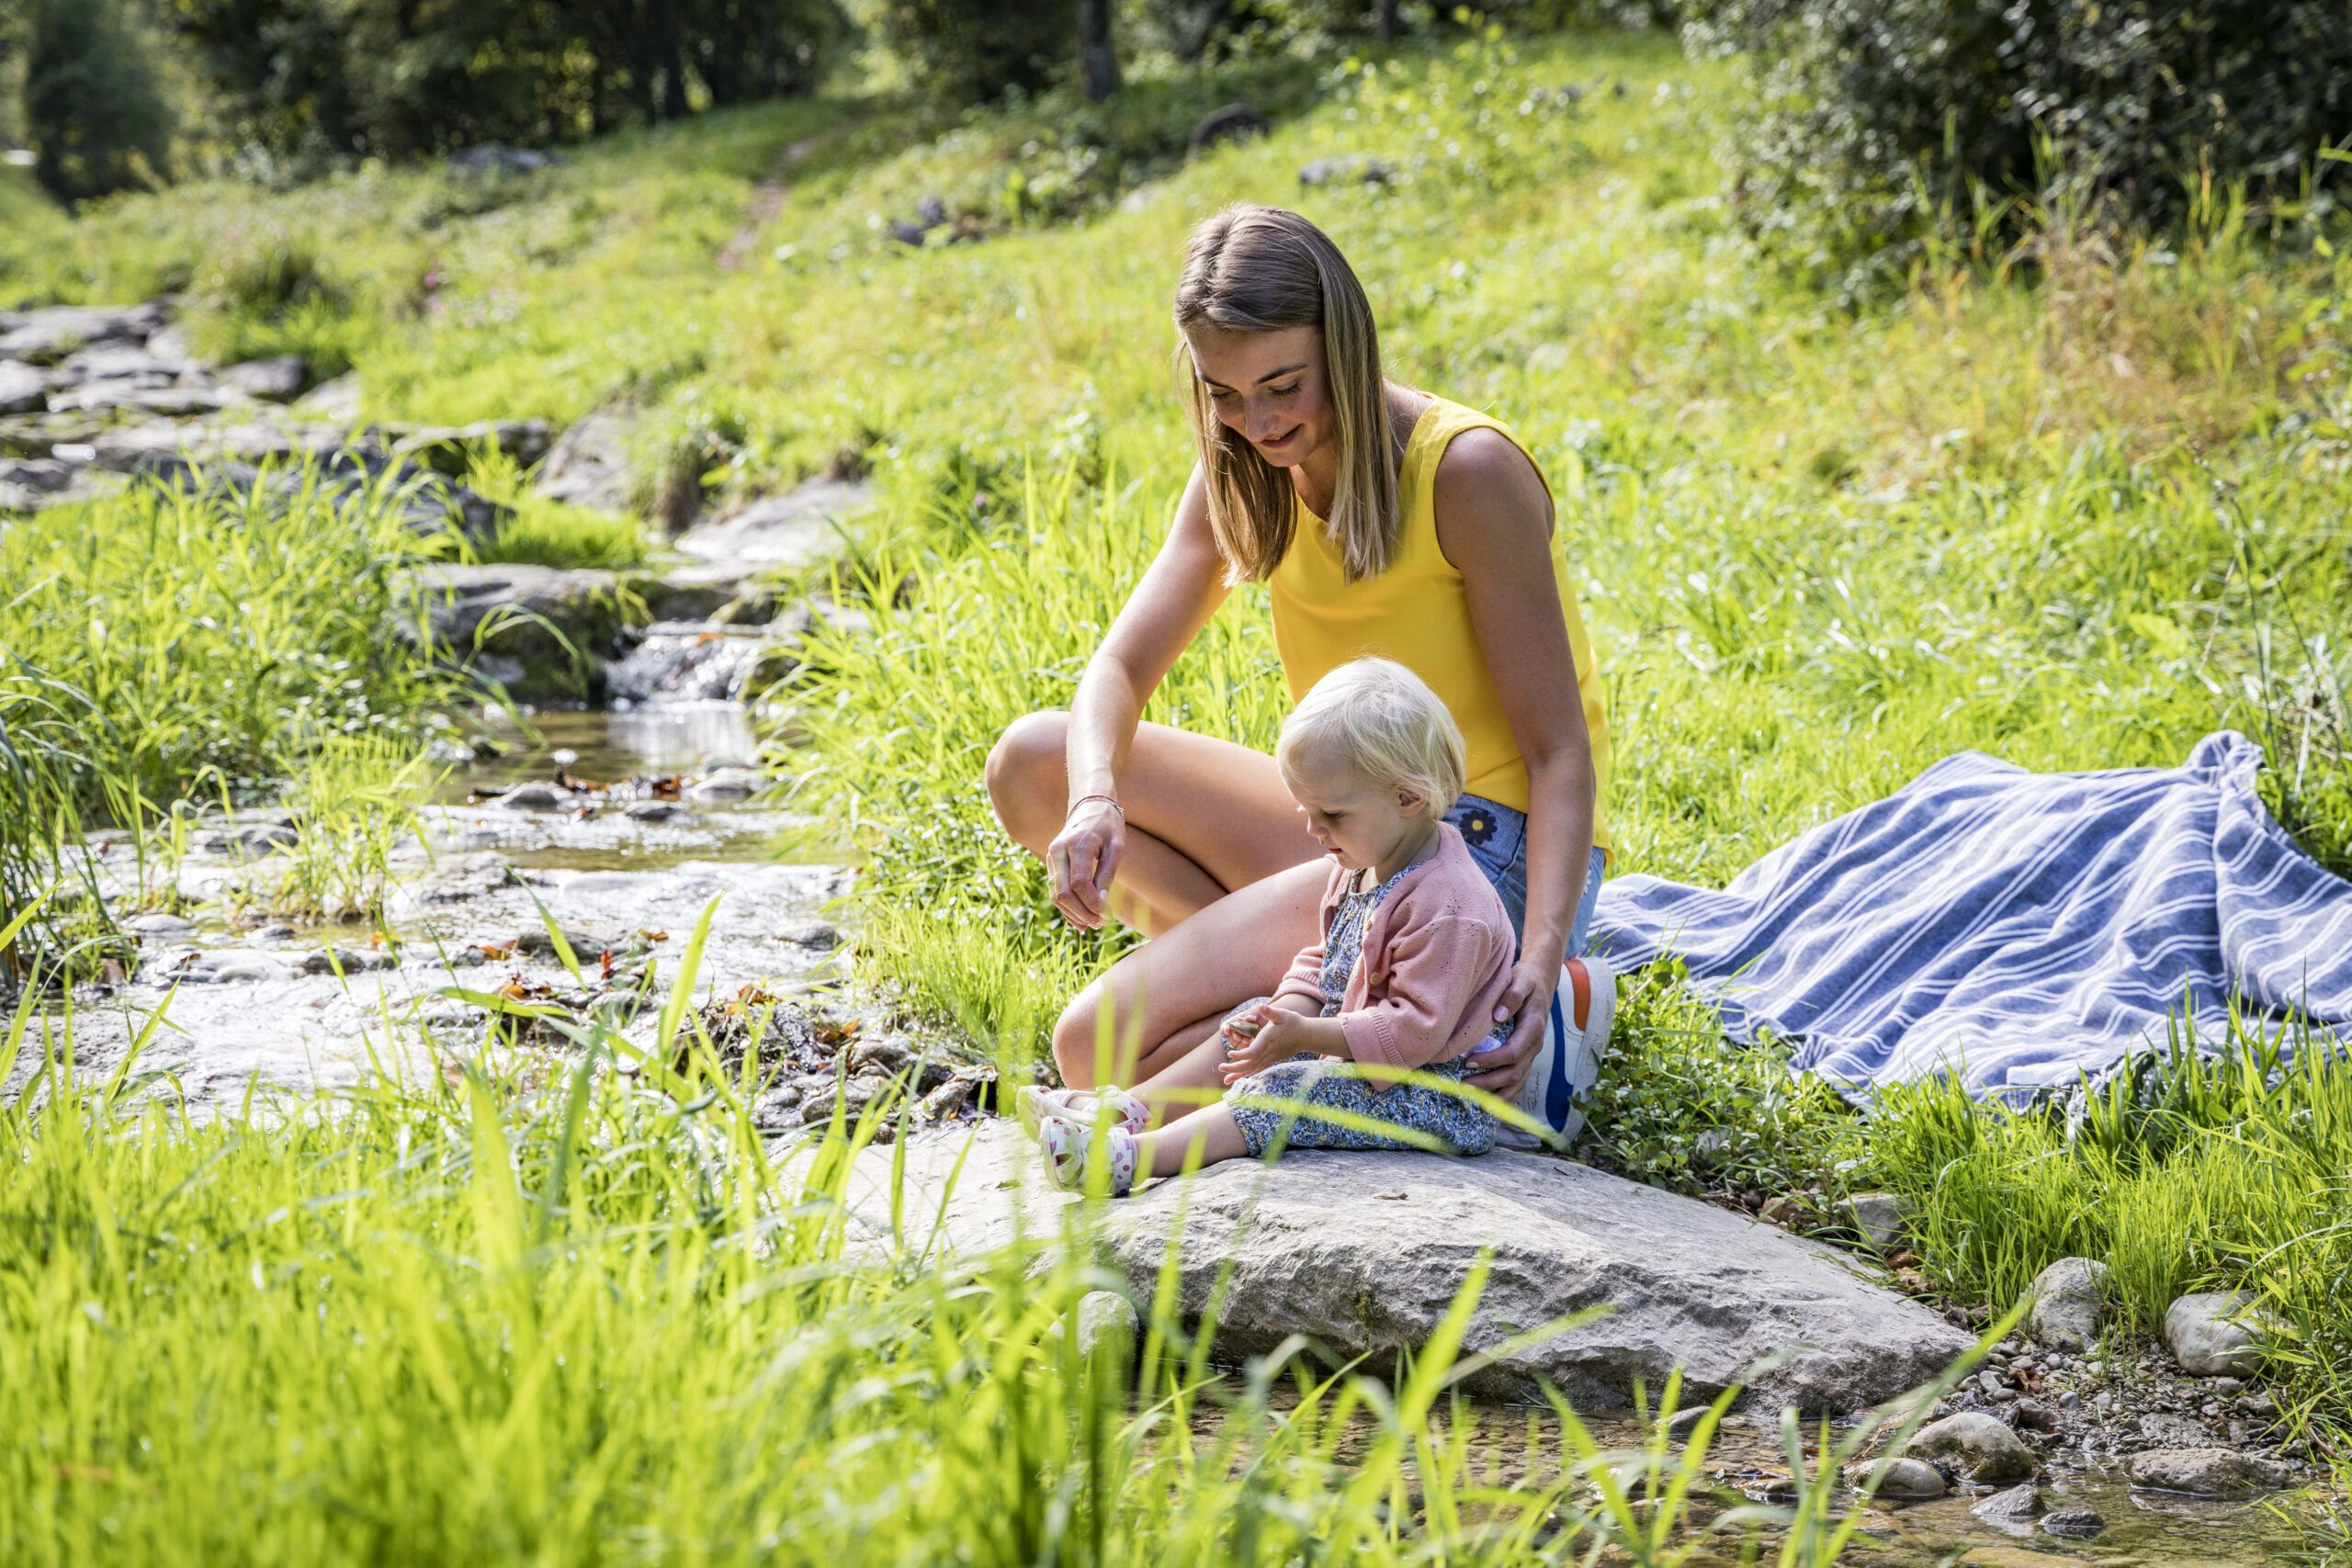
1880,1217
47,336
591,464
2069,1303
23,388
797,528
449,449
2206,1473
1975,1446
1108,1323
278,379
1364,1254
557,625
1897,1479
2215,1333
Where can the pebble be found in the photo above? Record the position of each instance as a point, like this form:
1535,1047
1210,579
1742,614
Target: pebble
536,794
327,960
2214,1334
2012,1509
276,934
157,927
818,935
727,783
652,811
2072,1524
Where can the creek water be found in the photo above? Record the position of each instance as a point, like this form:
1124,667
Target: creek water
1507,1448
228,995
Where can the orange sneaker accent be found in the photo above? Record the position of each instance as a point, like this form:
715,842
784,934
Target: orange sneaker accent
1580,991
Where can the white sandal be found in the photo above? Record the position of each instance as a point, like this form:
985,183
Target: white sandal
1034,1104
1069,1144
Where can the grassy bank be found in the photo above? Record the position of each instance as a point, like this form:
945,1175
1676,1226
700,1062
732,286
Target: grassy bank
473,1320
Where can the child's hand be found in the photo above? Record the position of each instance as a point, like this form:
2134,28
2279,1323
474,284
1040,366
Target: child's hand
1273,1037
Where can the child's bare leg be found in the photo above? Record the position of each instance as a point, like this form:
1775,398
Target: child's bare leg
1186,1084
1211,1129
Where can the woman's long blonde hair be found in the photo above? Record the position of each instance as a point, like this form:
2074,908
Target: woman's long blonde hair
1259,269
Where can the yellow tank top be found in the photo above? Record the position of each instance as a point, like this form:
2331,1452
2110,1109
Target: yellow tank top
1417,612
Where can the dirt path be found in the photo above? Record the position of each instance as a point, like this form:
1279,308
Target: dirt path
767,200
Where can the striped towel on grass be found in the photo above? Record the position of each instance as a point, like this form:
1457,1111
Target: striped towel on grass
2025,931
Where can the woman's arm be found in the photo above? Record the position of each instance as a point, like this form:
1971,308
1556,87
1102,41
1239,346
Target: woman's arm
1180,591
1493,523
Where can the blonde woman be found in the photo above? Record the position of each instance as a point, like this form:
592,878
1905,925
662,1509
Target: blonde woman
1386,522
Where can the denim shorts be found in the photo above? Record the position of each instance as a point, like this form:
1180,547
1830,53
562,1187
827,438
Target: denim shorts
1497,837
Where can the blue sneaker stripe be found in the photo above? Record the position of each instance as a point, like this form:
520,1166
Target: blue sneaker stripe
1559,1093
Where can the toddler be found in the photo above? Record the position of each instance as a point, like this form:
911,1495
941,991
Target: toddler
1417,948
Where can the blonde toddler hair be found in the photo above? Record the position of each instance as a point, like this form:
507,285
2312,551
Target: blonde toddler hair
1384,721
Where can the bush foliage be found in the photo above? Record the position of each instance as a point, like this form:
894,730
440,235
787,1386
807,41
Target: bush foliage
1872,116
93,106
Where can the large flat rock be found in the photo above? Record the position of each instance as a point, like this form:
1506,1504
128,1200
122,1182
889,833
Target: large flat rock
793,529
1363,1253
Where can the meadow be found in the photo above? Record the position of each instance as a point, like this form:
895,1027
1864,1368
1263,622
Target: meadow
2077,503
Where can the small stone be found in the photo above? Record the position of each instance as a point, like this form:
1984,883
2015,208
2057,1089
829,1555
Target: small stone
276,934
2206,1473
817,936
246,968
2226,1386
2033,1416
470,875
886,1055
1990,1385
2215,1333
253,839
1109,1324
2013,1509
533,941
1906,1480
778,1108
2162,1429
2072,1524
156,928
536,794
2069,1303
950,1098
1978,1447
652,811
329,960
727,783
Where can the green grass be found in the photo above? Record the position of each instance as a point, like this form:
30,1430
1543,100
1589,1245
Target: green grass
564,1316
165,647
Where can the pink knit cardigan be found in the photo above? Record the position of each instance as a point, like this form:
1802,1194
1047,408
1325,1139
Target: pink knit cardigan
1437,953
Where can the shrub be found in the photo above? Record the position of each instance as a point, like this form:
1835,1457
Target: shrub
1872,117
967,51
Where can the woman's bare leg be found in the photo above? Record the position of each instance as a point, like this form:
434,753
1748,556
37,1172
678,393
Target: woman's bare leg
1219,869
1205,817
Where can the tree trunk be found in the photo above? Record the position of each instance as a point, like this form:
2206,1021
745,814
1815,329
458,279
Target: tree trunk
1385,19
1097,59
673,65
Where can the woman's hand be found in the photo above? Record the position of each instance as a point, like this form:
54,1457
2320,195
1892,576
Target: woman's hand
1527,997
1083,858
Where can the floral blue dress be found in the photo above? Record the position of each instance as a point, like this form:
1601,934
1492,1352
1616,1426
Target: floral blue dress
1277,1107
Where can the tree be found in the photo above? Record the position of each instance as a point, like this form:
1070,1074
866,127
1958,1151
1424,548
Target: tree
93,106
1098,61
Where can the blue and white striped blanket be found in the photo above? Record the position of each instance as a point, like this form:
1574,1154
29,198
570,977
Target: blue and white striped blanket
2028,931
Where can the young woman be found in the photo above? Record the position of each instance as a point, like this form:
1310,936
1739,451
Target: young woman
1386,522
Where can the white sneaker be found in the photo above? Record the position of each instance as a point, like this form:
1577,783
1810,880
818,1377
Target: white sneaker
1567,1064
